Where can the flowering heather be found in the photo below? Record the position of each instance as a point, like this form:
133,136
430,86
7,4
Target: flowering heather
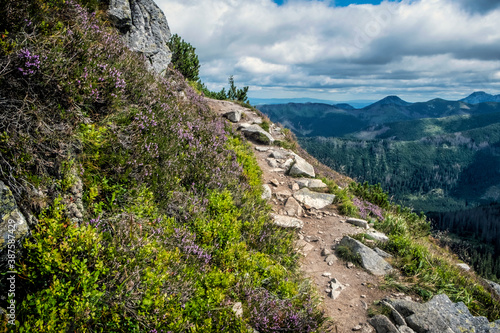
367,209
268,313
186,243
30,62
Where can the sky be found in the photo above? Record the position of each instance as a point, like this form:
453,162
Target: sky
344,50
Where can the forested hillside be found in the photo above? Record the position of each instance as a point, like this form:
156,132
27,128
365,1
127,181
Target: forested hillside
478,241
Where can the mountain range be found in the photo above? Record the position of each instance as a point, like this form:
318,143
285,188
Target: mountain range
437,155
319,119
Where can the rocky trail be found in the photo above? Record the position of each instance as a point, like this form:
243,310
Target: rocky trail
300,201
348,291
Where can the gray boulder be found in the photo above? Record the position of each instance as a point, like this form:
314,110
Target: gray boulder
378,236
301,168
358,222
463,266
233,116
279,154
292,207
336,288
311,183
266,192
370,260
145,30
257,133
13,226
314,199
440,314
287,221
382,253
495,286
382,324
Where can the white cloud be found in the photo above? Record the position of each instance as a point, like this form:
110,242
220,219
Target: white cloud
408,48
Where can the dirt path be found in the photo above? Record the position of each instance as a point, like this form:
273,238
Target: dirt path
322,229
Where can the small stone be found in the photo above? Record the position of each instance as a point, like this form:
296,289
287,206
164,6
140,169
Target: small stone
326,252
292,207
287,164
312,239
378,236
283,195
330,259
279,154
303,247
275,182
262,149
363,296
358,222
287,222
238,309
266,192
326,274
272,162
295,187
357,328
350,265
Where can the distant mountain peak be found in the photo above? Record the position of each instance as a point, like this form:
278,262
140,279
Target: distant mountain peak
480,97
395,100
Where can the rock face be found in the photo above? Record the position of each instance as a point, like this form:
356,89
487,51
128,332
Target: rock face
370,260
440,314
314,199
144,29
13,225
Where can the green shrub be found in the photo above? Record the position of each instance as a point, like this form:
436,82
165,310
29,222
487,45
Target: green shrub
184,58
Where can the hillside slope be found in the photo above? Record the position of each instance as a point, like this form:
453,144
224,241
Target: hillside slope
130,205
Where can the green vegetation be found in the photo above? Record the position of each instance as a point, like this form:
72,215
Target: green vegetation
472,234
432,174
232,94
184,58
426,269
149,210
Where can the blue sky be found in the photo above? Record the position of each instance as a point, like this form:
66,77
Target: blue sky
416,49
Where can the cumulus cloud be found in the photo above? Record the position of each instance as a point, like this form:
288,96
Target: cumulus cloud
412,48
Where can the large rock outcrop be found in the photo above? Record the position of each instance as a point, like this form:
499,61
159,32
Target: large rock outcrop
439,315
144,29
370,260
